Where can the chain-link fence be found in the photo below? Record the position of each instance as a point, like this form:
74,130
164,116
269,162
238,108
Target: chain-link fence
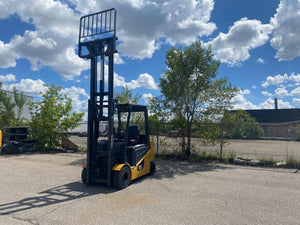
214,139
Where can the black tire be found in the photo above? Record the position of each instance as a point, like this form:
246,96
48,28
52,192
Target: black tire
84,175
122,178
152,168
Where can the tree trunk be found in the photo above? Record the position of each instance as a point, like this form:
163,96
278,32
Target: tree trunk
189,134
183,142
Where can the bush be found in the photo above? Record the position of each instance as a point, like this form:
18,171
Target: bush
51,117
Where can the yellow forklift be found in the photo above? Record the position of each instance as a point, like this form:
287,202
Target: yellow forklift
125,152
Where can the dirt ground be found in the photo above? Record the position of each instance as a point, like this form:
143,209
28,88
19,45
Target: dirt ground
256,149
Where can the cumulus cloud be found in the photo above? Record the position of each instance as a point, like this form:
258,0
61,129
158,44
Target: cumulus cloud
281,92
269,104
266,93
146,97
7,78
51,44
261,60
295,78
144,80
275,80
142,24
296,101
8,56
27,86
79,98
245,92
286,30
296,91
244,35
240,102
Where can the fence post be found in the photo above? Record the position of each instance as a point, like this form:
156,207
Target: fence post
157,145
221,146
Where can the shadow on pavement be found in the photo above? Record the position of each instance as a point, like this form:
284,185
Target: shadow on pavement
171,168
56,195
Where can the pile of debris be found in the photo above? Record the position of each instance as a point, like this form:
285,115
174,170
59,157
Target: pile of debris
16,141
247,161
254,162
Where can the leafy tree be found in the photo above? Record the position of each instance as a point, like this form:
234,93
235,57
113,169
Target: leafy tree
190,89
126,96
7,115
241,125
51,117
20,101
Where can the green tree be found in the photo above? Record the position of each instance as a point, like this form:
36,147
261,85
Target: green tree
7,115
20,101
51,117
190,89
241,125
125,96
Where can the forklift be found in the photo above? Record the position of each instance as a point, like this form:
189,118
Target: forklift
124,152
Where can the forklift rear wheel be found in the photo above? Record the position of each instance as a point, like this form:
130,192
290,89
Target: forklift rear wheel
122,178
84,175
152,168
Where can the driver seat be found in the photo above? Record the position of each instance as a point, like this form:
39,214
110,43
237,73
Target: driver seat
133,135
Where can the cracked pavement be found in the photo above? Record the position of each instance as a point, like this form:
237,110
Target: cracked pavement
44,189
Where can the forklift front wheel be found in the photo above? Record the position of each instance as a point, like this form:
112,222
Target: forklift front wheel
152,168
84,175
122,178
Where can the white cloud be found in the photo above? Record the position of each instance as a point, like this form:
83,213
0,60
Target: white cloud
286,30
296,91
266,93
261,60
269,104
245,92
118,59
8,56
51,44
275,80
28,86
144,80
295,78
281,92
79,98
146,97
244,35
7,78
296,101
142,24
240,102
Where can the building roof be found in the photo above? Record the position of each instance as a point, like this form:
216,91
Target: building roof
275,115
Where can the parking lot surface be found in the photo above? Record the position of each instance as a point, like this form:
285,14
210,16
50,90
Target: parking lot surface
46,189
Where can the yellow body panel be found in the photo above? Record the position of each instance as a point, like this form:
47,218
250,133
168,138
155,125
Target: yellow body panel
136,172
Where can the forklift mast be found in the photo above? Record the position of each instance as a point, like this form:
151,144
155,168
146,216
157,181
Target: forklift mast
97,42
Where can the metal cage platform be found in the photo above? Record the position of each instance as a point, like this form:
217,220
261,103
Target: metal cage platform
95,31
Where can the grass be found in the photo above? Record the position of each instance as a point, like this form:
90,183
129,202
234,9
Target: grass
227,158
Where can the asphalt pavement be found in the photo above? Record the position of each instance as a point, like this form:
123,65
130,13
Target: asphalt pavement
45,189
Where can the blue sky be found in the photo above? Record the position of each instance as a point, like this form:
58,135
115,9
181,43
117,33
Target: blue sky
258,43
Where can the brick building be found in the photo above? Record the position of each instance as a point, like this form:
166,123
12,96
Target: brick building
278,122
